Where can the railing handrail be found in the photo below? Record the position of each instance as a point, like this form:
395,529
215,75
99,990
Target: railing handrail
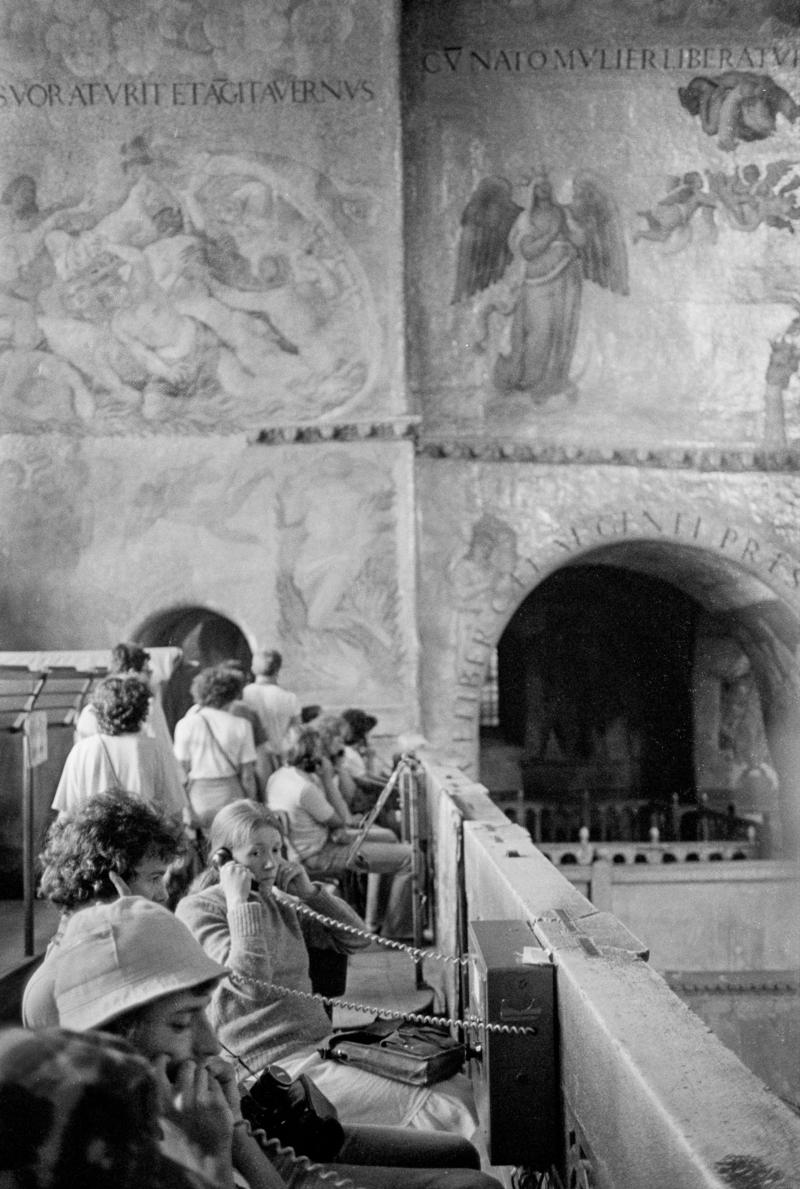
652,1099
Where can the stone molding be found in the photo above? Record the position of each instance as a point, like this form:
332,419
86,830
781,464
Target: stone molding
338,431
696,458
473,449
727,982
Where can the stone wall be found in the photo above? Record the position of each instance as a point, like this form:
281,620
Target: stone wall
202,270
212,278
601,232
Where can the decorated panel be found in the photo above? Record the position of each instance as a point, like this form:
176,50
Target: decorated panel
603,206
199,227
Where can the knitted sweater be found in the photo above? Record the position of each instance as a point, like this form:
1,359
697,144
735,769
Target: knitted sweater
264,942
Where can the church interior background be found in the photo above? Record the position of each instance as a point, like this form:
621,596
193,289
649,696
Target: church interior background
452,348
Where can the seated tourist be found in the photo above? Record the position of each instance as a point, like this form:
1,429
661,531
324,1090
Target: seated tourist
215,746
117,845
318,820
132,969
120,755
347,797
251,915
80,1111
359,758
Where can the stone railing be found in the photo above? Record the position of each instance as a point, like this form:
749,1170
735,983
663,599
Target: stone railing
650,1098
554,822
565,854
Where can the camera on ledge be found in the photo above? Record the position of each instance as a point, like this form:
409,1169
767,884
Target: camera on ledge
295,1112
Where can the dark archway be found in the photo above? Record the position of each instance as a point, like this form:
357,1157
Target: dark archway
637,686
205,638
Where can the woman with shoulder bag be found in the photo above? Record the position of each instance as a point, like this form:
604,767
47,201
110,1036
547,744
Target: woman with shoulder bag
214,746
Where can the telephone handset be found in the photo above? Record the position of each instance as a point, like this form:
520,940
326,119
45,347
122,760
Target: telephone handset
223,856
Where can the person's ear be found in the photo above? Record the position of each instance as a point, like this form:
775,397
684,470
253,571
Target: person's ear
120,886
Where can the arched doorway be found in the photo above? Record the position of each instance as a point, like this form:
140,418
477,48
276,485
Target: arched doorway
647,683
205,638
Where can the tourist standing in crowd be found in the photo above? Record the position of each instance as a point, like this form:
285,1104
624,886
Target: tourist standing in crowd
278,709
135,660
214,746
120,756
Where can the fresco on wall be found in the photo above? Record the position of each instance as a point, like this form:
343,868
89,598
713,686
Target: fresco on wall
739,200
189,228
338,594
684,117
479,576
208,292
738,106
232,38
536,259
307,549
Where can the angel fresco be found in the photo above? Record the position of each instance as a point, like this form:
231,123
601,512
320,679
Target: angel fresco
741,200
534,262
670,219
748,199
737,106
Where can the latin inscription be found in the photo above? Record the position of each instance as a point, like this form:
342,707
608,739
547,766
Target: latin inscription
220,92
464,59
678,526
675,527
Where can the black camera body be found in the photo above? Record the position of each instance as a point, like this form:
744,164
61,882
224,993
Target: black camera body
294,1112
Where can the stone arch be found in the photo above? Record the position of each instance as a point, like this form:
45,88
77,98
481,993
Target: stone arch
728,568
205,636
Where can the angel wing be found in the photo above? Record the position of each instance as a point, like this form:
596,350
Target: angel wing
603,254
483,251
774,171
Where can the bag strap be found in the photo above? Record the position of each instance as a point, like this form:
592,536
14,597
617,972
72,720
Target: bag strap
117,783
234,767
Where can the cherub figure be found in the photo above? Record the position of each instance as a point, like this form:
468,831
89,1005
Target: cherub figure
749,199
670,218
737,106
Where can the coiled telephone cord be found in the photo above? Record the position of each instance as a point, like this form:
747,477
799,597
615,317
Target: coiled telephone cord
386,1013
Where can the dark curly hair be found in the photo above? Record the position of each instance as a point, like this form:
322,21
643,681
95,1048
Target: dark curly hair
121,703
128,658
113,832
217,686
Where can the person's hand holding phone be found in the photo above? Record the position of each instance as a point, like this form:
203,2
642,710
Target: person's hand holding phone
225,1075
236,882
196,1101
293,879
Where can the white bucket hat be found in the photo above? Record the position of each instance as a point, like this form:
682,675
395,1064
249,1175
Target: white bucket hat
119,956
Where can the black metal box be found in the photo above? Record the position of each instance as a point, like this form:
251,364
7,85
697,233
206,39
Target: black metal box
516,1075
